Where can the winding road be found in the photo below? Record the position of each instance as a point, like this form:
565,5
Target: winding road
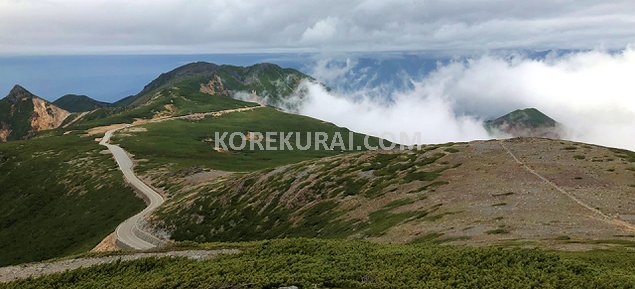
130,233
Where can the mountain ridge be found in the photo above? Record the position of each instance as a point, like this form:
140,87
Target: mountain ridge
201,87
79,103
260,79
22,114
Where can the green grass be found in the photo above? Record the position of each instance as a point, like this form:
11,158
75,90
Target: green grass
181,90
58,196
382,220
421,176
17,118
311,263
628,156
579,157
451,150
303,199
186,100
184,144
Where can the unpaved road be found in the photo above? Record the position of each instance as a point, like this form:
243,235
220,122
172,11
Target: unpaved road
12,273
596,213
129,233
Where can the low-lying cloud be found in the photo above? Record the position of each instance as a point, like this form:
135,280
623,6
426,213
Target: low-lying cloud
591,93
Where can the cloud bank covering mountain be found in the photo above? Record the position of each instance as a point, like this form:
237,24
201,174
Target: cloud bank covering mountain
591,93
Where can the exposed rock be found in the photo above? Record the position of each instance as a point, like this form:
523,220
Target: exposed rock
22,114
108,244
18,94
214,87
4,134
46,115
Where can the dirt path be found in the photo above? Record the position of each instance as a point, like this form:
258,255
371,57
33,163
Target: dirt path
77,118
202,114
596,213
17,272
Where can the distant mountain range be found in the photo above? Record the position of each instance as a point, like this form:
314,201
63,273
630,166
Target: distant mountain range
79,103
185,89
529,122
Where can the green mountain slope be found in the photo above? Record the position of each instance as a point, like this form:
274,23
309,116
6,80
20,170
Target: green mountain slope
200,87
264,79
59,195
312,198
182,144
22,114
79,103
528,122
468,193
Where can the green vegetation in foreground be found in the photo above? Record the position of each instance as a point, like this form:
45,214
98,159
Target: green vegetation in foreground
184,143
311,263
58,196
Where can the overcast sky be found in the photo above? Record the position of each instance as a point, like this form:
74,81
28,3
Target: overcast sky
192,26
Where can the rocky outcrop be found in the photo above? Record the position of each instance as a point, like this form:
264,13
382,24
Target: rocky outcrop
22,114
46,115
18,94
4,134
214,87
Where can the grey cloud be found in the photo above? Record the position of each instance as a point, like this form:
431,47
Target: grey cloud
69,26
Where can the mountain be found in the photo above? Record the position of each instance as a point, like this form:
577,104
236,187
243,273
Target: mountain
464,193
79,103
262,81
62,194
529,122
201,87
22,114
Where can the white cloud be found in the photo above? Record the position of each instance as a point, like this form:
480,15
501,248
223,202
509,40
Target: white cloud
417,112
591,93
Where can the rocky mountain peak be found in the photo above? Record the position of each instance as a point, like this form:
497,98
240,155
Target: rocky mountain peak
19,93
